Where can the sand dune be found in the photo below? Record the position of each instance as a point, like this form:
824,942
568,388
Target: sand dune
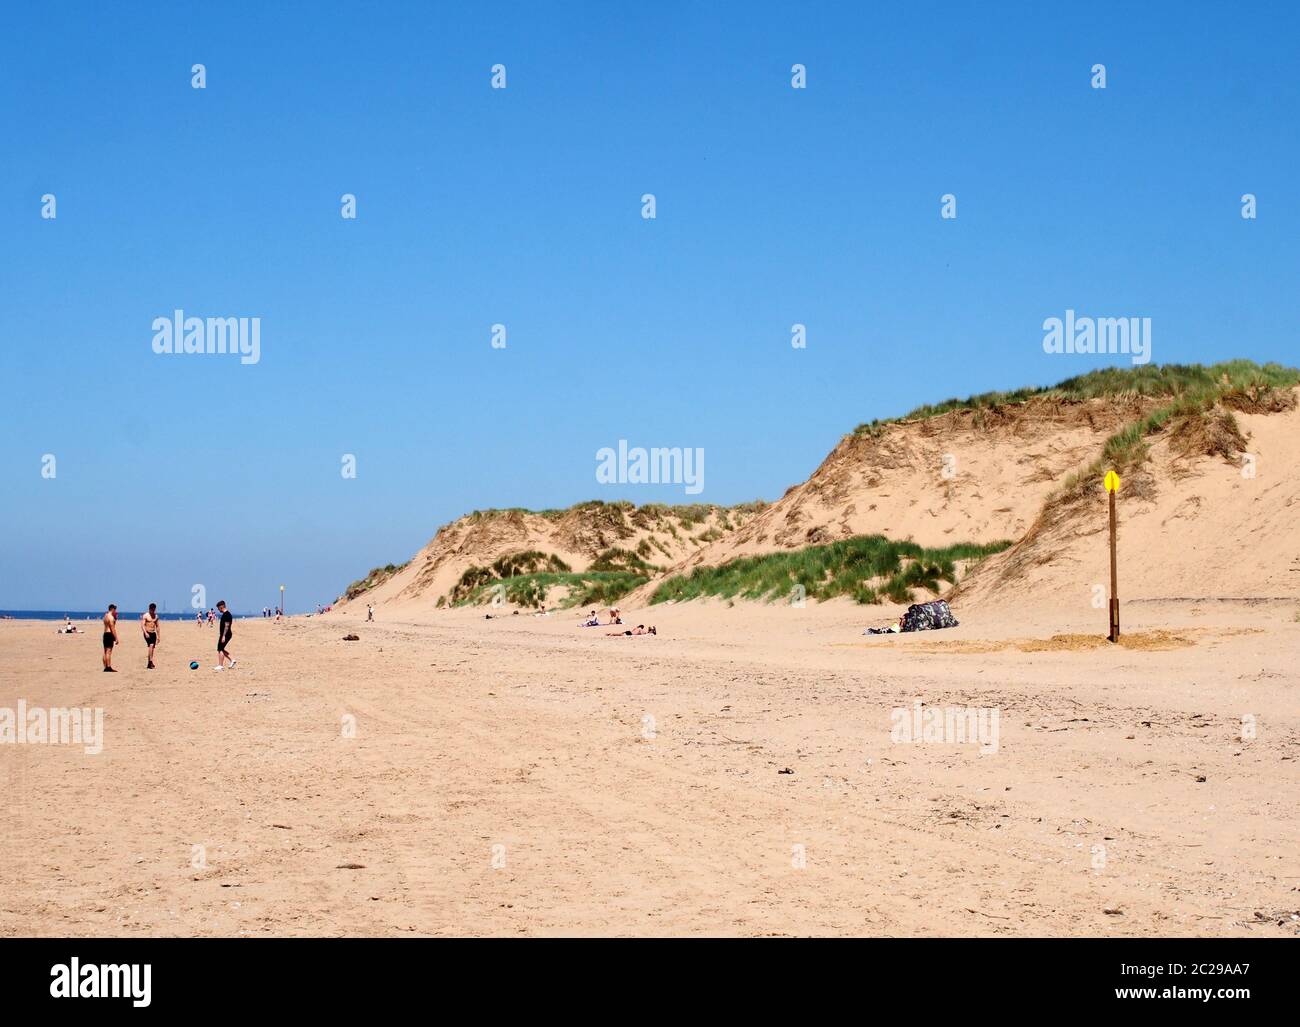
658,533
1194,524
965,476
1190,526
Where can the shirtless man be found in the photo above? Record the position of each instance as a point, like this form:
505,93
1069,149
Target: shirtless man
110,637
149,626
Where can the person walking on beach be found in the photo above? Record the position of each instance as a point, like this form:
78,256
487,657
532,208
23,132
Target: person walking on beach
110,637
150,627
225,629
370,612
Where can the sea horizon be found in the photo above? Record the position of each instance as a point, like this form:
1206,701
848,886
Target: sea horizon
92,615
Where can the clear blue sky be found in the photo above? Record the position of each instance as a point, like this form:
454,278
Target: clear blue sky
522,206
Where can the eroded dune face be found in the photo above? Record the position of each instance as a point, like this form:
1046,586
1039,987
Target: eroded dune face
1191,526
966,476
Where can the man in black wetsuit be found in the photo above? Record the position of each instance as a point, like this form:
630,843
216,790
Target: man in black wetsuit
225,628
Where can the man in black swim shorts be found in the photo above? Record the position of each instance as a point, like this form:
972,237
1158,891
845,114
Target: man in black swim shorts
110,637
149,625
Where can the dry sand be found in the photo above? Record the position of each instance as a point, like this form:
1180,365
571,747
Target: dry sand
531,734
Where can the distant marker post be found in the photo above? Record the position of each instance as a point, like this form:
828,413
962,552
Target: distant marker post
283,614
1111,482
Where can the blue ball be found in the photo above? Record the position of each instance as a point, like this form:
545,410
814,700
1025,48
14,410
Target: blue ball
194,664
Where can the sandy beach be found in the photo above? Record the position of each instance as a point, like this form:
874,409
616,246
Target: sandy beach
733,776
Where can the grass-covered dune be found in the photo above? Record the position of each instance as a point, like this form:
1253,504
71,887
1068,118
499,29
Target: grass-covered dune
580,588
869,569
527,579
1199,413
1189,383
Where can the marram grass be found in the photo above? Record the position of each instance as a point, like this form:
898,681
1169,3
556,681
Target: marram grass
867,568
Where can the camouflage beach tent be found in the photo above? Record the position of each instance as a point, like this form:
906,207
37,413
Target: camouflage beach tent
929,616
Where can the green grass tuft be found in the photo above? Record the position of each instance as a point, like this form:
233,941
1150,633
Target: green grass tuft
585,588
845,568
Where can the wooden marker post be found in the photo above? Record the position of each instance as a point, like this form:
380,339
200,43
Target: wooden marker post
1112,486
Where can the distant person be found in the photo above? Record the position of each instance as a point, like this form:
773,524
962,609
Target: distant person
640,629
224,632
110,637
370,612
150,626
198,617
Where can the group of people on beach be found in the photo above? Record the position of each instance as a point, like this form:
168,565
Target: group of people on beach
151,629
593,620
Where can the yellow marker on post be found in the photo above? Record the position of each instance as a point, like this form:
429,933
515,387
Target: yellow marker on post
1111,481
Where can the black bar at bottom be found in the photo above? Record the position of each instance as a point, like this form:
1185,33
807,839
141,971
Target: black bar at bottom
376,975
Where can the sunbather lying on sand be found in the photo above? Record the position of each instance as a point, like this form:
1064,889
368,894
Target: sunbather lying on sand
640,629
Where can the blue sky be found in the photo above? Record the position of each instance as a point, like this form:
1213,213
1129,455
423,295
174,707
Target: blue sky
522,206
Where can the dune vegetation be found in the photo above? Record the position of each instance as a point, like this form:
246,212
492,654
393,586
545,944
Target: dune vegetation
868,568
534,591
1188,383
530,579
376,577
1199,418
